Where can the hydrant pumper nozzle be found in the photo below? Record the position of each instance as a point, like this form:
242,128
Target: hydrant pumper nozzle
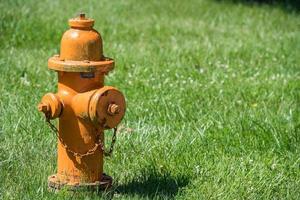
84,107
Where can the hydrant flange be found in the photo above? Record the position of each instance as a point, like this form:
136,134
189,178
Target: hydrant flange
104,66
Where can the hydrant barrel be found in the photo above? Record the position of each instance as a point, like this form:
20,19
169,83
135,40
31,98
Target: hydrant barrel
84,106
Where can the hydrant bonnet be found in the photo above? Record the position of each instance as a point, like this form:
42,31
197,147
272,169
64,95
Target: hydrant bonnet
81,49
83,40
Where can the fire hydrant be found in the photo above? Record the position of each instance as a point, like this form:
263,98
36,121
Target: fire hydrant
84,106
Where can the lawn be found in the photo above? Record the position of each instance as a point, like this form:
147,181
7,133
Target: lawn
212,90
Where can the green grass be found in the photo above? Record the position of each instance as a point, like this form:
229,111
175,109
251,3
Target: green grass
212,88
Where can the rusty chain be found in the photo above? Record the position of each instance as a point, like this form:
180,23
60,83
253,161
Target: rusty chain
92,150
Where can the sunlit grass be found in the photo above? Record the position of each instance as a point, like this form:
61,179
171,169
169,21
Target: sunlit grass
212,88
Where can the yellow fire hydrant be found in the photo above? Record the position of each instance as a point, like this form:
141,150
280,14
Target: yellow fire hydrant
84,106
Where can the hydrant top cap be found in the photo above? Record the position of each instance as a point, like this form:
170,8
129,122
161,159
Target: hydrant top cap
81,49
81,22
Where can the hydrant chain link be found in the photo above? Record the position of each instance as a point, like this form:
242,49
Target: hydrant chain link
91,150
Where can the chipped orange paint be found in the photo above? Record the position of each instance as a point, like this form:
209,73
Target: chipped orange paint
84,106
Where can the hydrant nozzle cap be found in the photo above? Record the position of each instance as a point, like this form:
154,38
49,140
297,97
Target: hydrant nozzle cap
81,22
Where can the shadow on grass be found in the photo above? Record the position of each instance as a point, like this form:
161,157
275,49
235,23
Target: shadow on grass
286,5
153,185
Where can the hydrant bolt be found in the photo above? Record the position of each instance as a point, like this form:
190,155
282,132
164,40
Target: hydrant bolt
113,109
45,108
82,15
